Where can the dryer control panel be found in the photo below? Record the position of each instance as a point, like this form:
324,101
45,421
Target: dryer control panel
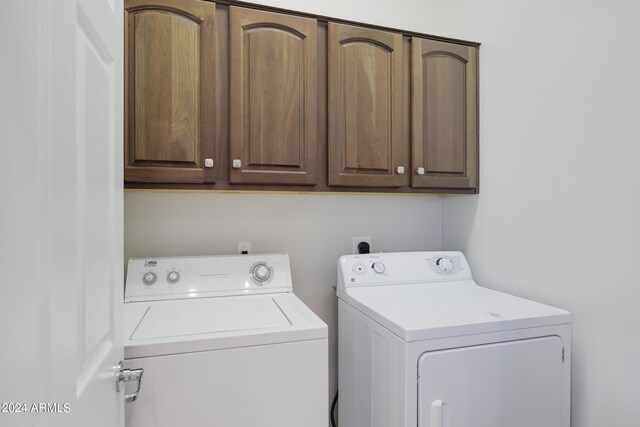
159,278
402,268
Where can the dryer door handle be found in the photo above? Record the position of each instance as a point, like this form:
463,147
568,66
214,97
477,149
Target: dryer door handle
437,413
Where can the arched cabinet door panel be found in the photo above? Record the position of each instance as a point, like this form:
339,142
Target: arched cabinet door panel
169,90
445,131
365,108
273,99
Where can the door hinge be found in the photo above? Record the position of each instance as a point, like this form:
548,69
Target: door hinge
123,376
563,354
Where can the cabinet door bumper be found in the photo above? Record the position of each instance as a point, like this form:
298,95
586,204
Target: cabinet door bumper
445,115
273,99
169,90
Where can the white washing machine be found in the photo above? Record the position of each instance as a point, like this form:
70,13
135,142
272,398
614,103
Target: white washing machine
223,341
421,344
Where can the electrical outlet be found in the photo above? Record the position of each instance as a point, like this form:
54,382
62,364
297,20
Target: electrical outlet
244,248
357,240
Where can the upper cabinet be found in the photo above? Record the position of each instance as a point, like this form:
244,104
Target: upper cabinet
225,97
445,117
169,109
273,98
365,108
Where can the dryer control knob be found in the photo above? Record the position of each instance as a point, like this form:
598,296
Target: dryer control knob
149,278
260,272
445,264
378,267
359,268
173,277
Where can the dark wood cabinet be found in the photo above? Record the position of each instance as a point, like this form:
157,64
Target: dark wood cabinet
364,108
444,122
169,114
272,100
223,97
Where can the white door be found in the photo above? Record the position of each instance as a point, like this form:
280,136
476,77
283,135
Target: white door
61,247
517,383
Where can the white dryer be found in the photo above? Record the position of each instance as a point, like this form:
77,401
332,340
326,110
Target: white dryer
223,341
421,344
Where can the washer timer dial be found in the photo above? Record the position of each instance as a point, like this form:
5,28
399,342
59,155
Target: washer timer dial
261,272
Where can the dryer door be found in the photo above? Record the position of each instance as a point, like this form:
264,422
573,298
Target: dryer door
516,383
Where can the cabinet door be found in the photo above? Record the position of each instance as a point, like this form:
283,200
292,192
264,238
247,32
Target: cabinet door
169,112
365,111
273,127
445,130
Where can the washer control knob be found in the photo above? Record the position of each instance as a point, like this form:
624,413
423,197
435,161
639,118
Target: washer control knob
173,277
260,272
445,264
149,278
378,267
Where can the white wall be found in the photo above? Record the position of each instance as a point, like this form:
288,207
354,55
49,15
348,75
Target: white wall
314,229
415,15
557,218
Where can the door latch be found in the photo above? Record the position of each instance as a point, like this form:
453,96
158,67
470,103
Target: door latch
125,375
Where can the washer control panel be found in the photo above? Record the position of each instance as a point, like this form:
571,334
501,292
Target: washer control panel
160,278
402,267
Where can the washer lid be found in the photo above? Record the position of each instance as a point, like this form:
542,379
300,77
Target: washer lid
157,328
205,316
437,310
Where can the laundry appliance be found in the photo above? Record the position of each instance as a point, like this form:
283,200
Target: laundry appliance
421,344
223,341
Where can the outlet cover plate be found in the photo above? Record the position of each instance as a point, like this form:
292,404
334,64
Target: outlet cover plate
244,246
